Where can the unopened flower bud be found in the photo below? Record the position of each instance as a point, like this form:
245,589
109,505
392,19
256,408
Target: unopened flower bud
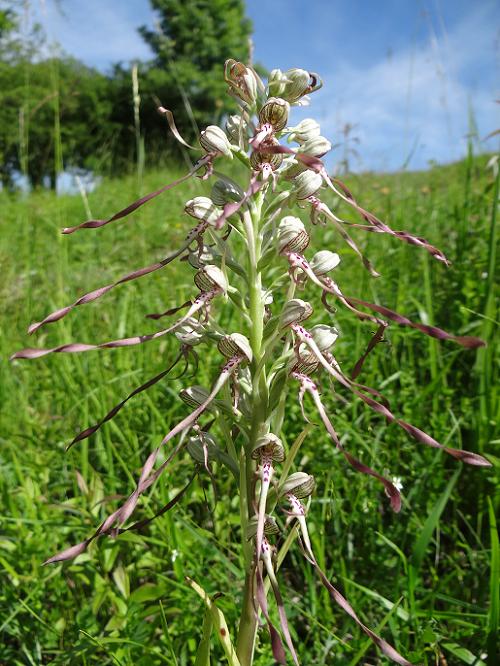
214,140
275,113
297,84
199,259
237,130
226,191
295,311
190,333
306,184
243,81
323,262
316,147
299,484
210,278
202,445
307,129
324,336
292,236
293,169
235,345
271,445
194,396
294,84
202,208
270,527
276,82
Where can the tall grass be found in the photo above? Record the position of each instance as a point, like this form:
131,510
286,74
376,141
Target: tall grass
426,576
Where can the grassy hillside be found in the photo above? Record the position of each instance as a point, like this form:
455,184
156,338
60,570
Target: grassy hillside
424,578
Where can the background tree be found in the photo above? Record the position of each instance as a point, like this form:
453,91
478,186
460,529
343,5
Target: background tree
190,41
54,115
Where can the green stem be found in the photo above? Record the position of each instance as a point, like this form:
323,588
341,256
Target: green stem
247,631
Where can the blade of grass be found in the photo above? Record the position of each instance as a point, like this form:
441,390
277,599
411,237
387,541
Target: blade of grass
493,614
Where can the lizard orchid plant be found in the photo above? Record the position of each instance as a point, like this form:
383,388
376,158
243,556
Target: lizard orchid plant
248,253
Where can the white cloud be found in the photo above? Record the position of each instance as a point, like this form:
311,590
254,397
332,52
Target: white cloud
417,97
96,31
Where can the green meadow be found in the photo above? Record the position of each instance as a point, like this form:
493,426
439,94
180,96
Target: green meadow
426,579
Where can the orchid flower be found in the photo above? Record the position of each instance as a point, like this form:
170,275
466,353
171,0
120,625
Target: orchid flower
250,248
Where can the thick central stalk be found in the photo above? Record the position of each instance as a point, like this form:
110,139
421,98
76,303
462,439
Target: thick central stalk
248,618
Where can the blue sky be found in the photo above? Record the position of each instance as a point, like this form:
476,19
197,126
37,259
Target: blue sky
404,72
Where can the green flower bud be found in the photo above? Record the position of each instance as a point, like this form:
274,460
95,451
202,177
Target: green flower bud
194,396
307,129
297,84
243,81
316,147
292,236
211,278
226,191
202,208
293,169
276,82
271,445
197,260
237,130
214,140
190,333
275,112
293,84
299,484
270,527
323,262
235,345
307,184
324,336
197,444
295,311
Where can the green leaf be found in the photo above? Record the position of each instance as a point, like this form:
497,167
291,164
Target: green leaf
422,543
463,654
147,592
493,614
219,622
203,653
